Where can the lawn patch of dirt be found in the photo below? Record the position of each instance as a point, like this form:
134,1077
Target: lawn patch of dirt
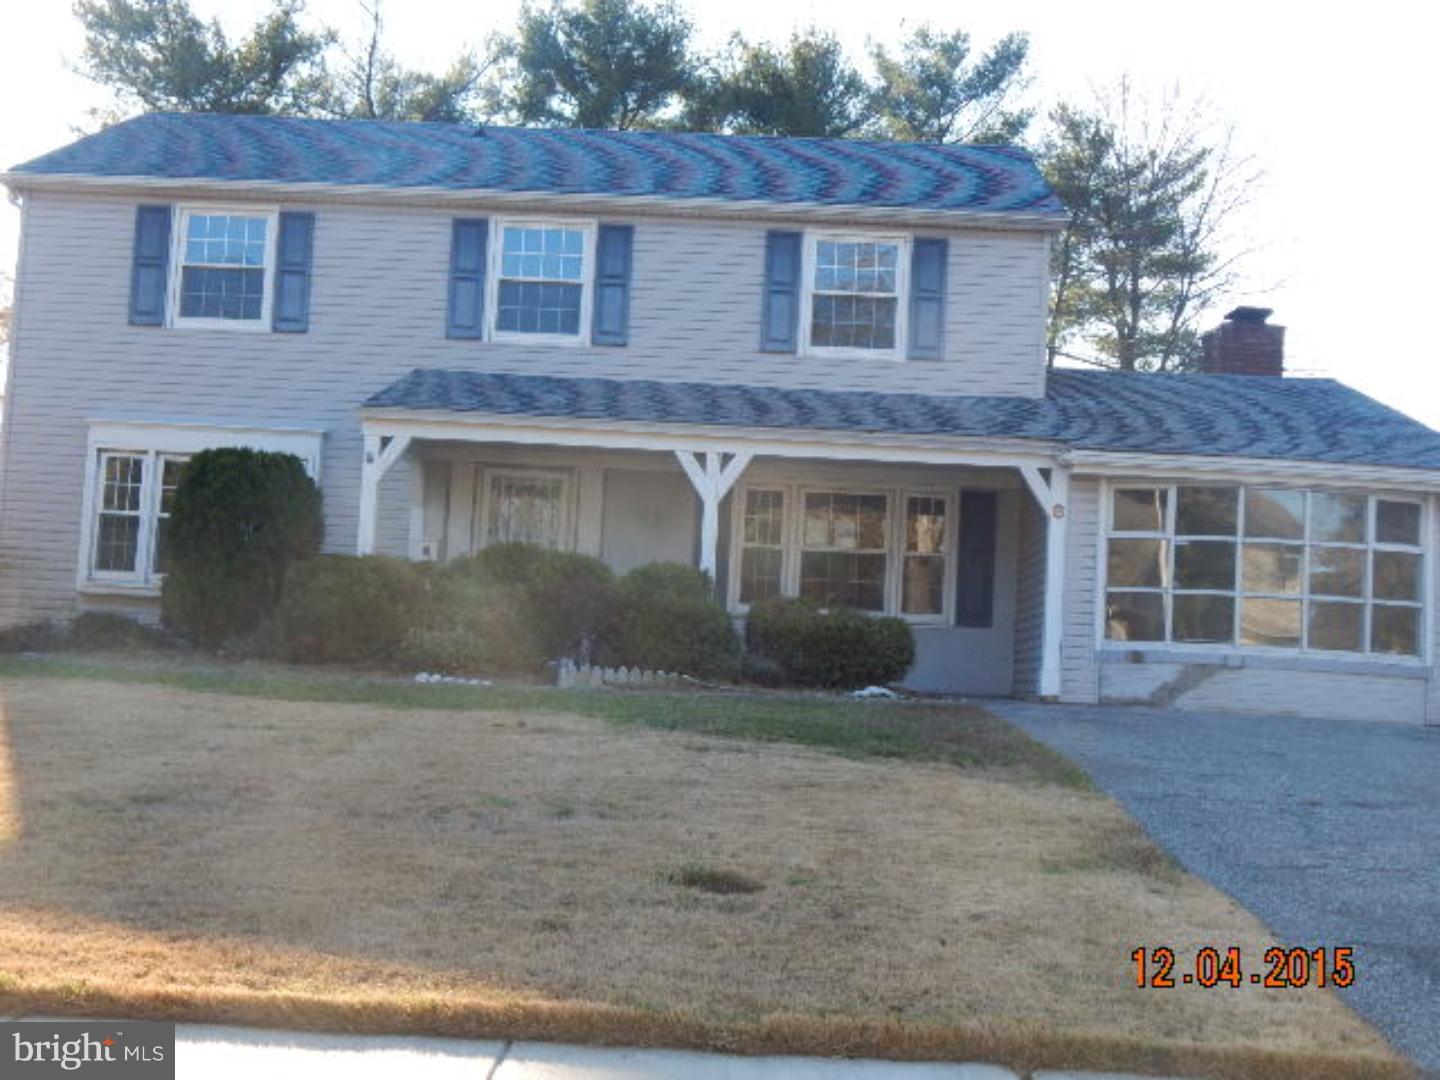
533,874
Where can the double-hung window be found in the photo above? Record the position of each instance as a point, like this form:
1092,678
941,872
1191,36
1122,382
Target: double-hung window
1265,567
542,274
882,551
922,579
844,549
226,259
762,545
854,295
134,492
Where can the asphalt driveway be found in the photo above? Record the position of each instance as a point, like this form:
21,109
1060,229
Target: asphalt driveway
1328,831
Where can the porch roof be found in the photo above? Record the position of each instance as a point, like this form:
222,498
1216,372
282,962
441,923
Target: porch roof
1312,420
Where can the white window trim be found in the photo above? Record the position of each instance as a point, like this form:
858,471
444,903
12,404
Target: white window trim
946,616
154,441
1304,651
494,260
180,217
812,238
739,498
888,586
145,515
792,546
486,475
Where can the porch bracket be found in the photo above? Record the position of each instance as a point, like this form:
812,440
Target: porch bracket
1037,485
712,481
381,452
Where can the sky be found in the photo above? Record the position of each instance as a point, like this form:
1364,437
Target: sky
1338,111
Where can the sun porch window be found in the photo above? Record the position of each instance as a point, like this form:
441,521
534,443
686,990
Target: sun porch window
1265,567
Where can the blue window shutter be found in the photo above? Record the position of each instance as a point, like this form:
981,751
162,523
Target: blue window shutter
975,579
150,269
611,321
780,315
927,297
291,310
465,315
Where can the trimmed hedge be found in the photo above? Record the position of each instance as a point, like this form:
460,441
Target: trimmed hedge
666,620
239,519
473,627
566,600
801,643
348,609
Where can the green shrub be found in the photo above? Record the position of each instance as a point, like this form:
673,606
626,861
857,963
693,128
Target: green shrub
566,600
472,627
349,609
798,642
667,620
239,519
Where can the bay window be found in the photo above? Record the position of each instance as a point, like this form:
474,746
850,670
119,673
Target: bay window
1264,567
132,472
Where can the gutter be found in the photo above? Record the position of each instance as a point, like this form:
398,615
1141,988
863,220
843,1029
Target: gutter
648,205
1134,465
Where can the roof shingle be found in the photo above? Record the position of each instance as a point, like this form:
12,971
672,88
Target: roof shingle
728,168
1207,415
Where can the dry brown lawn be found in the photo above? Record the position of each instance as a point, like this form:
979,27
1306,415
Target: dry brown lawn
176,854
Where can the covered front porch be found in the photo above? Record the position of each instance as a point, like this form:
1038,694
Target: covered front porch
963,537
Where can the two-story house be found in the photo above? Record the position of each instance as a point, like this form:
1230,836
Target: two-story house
813,367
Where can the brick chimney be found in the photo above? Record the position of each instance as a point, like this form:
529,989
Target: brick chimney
1244,344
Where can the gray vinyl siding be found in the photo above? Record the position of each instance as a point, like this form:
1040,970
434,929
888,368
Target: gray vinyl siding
976,660
1301,689
377,311
1029,599
1079,678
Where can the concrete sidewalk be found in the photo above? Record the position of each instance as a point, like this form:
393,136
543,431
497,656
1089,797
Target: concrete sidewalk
212,1052
221,1053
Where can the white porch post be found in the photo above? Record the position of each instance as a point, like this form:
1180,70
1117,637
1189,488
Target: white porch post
1054,500
379,455
712,481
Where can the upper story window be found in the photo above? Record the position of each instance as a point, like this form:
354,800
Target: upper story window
1265,567
542,280
225,260
854,294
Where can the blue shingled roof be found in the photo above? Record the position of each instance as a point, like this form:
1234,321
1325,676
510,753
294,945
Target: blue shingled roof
1210,415
370,153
